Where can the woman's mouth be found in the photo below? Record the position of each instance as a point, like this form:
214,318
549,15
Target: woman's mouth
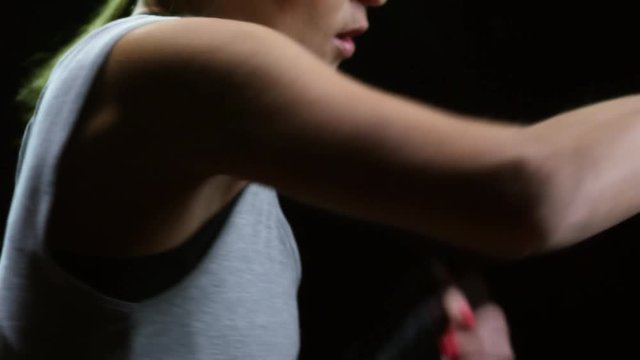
345,45
344,41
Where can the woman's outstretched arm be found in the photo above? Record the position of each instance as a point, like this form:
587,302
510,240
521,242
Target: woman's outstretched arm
228,97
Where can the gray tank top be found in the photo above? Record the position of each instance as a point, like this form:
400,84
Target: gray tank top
238,302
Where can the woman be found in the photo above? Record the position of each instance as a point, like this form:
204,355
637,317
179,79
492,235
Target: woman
154,134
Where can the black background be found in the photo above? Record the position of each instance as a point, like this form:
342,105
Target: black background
521,61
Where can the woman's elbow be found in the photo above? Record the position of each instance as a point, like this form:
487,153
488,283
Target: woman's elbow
547,212
536,214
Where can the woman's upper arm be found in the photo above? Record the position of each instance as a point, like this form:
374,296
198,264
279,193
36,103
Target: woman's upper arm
240,99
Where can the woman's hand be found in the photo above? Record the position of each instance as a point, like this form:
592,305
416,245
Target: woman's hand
483,335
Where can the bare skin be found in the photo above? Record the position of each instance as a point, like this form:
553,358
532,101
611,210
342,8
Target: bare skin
219,100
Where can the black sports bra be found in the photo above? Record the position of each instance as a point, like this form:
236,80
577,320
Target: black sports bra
135,279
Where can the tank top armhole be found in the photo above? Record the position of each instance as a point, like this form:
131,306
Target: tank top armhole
140,278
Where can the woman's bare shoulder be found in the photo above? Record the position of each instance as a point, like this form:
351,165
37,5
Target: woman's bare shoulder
204,43
208,72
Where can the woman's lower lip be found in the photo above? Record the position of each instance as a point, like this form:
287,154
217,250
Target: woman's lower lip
345,45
